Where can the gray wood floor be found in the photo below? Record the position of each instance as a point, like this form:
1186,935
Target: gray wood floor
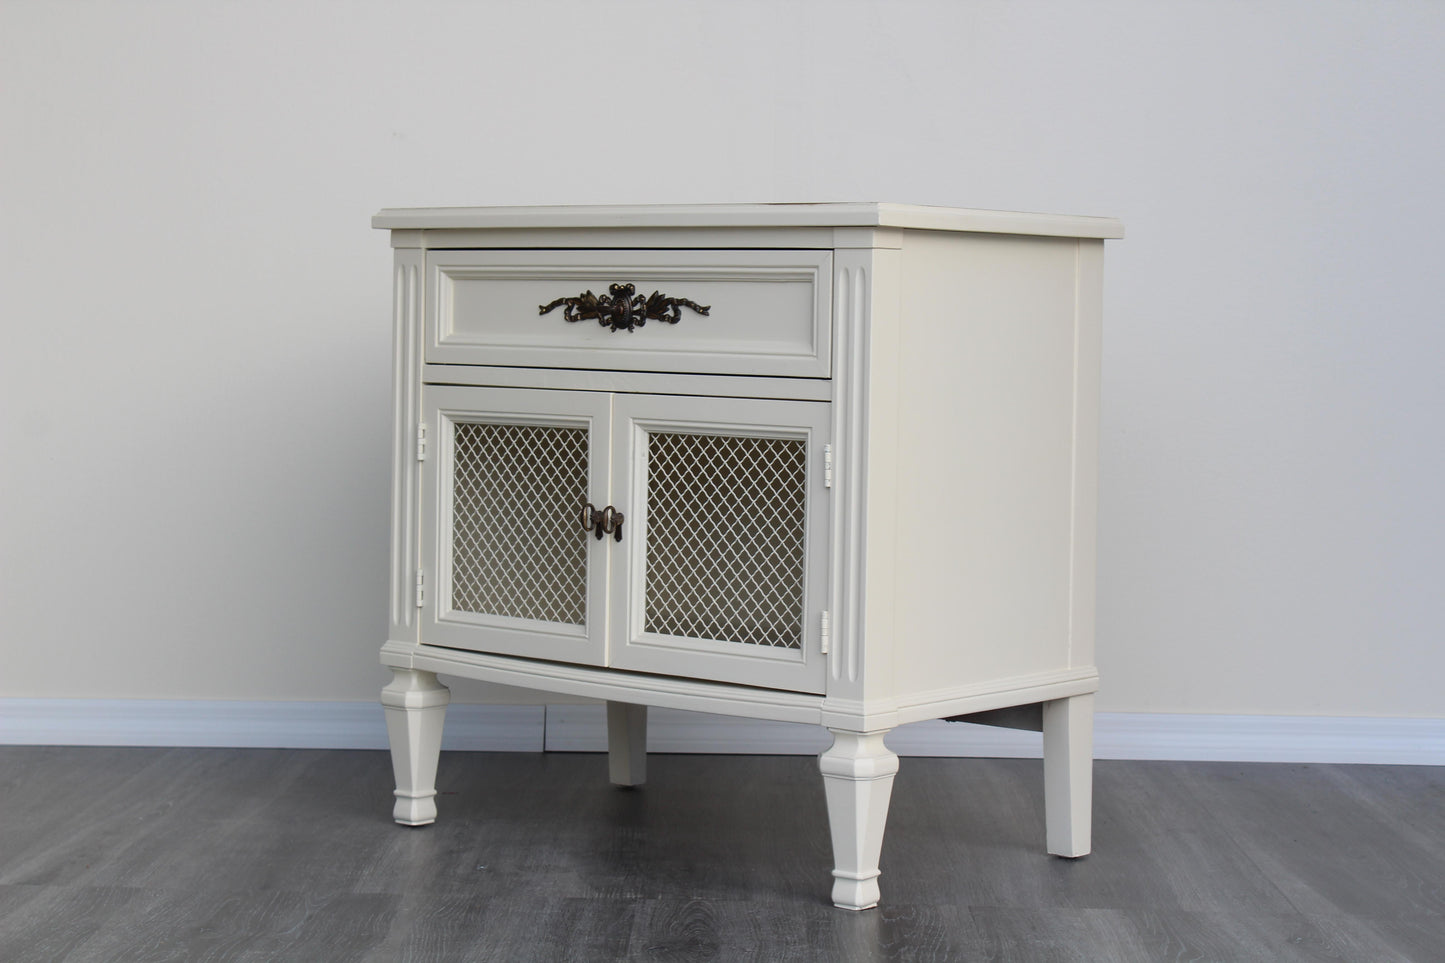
226,854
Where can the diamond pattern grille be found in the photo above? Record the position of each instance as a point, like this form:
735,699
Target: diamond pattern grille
518,548
725,538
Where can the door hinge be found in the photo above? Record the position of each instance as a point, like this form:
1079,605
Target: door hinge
421,442
420,587
823,634
827,466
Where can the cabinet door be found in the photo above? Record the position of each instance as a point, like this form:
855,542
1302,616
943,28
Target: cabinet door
509,566
726,539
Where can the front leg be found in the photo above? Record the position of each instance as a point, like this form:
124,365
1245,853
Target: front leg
416,705
858,780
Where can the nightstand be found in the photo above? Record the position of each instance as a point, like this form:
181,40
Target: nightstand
823,463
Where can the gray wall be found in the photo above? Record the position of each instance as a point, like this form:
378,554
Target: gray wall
193,491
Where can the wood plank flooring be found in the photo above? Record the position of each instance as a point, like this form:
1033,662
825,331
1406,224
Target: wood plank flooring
232,854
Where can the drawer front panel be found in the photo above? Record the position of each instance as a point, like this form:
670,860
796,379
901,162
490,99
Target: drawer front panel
768,312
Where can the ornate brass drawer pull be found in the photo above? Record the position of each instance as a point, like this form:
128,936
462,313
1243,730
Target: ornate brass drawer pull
623,309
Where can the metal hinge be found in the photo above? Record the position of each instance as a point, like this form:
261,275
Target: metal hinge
421,442
827,466
823,634
420,587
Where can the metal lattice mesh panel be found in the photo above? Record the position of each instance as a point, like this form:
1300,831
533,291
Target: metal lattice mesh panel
518,548
725,538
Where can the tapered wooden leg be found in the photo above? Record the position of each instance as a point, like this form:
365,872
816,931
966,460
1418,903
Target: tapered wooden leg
858,780
1069,774
626,743
416,705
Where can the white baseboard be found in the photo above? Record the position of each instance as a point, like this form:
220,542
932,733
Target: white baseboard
1344,739
1117,735
268,725
582,728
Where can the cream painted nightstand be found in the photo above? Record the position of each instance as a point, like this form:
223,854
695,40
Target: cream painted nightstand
825,463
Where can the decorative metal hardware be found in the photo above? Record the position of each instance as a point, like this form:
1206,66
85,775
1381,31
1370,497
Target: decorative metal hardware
612,522
623,309
607,521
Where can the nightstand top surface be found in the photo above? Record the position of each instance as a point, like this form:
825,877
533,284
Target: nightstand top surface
905,216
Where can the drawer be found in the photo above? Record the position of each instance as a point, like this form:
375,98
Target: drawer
767,312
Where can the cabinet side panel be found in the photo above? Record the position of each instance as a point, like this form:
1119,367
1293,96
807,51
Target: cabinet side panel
986,422
406,367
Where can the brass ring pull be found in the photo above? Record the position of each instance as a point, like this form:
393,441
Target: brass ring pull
623,309
608,521
611,523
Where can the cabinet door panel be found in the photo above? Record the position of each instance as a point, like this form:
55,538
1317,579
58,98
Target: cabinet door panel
727,547
514,570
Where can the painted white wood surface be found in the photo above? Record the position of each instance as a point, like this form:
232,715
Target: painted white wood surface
697,695
630,382
768,311
984,456
773,216
858,772
612,633
407,286
950,537
626,744
1068,736
445,407
416,705
632,647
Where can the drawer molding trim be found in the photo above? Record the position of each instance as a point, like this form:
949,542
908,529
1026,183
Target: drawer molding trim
767,313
